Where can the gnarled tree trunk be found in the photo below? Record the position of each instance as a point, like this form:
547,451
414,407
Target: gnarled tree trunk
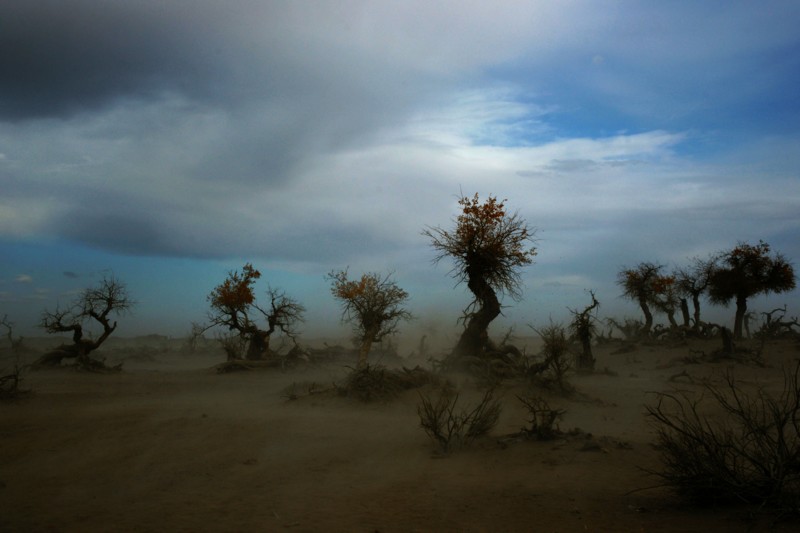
258,347
78,350
475,338
685,313
586,360
696,305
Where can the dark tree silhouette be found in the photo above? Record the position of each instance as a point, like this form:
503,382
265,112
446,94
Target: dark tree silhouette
98,304
666,298
489,246
373,304
746,271
14,344
233,305
692,281
583,328
639,284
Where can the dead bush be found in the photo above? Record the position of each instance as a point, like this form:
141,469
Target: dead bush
750,454
11,381
542,419
452,429
557,358
233,344
375,382
11,378
298,390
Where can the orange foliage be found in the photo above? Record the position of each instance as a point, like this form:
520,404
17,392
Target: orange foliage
236,292
745,252
350,290
482,229
663,284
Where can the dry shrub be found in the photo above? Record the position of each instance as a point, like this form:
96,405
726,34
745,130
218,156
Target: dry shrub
542,419
631,329
452,429
234,345
375,382
10,382
296,390
557,359
751,454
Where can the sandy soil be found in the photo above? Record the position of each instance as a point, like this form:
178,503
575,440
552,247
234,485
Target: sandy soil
169,445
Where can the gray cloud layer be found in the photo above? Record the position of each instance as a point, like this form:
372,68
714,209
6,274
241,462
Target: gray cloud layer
332,132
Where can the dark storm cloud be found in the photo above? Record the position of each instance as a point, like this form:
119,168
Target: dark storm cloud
118,232
60,58
63,57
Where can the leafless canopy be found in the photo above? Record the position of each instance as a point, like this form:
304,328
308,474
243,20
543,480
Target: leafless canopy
693,281
6,323
109,297
284,313
99,303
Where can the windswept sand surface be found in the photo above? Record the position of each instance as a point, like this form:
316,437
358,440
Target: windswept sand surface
169,445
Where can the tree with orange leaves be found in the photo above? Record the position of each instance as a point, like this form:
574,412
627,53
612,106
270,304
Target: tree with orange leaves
489,247
373,304
233,305
745,271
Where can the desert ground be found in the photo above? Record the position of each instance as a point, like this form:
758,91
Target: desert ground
169,444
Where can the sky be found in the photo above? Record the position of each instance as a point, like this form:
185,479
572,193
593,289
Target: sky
168,142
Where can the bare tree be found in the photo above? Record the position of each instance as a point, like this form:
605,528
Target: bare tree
746,271
776,326
11,378
95,304
14,344
692,281
233,305
373,304
489,247
583,327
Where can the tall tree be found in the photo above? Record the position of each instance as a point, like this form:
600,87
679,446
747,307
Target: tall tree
639,284
746,271
233,305
489,247
373,304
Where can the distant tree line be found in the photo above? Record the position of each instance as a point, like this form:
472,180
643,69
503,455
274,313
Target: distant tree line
734,275
488,246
